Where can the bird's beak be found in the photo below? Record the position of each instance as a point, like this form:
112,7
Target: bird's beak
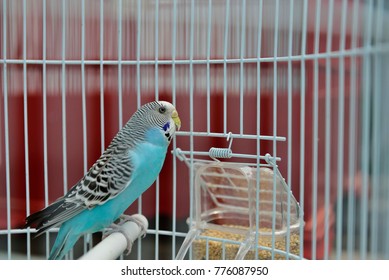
176,120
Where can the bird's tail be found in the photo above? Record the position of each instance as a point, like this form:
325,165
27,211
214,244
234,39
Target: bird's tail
40,218
63,243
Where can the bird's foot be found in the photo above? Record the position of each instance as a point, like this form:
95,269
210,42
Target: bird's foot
118,228
111,229
126,218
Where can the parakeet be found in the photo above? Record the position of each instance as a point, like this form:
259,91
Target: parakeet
127,168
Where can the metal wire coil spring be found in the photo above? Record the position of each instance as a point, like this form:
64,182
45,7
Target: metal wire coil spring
220,152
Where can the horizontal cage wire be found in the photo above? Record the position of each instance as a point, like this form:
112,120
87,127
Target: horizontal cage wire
281,152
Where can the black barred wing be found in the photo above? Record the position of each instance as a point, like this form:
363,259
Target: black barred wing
108,177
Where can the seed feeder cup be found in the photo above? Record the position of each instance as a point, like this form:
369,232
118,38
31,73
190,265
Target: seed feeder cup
232,220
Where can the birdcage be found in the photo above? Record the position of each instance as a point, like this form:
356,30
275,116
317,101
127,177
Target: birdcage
298,85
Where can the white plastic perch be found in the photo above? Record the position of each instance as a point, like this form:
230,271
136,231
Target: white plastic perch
116,243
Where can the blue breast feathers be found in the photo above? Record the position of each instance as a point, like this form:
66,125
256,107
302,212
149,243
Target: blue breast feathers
156,136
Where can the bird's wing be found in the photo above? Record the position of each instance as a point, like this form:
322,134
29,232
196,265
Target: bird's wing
108,177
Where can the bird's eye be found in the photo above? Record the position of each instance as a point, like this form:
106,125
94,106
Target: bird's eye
162,110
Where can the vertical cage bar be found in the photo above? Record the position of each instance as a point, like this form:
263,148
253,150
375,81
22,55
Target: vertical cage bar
352,135
102,129
83,102
207,248
83,90
102,116
376,131
302,123
120,87
44,89
174,206
157,196
366,120
138,93
290,123
275,74
209,32
340,154
25,119
225,55
6,133
258,176
138,46
191,111
242,64
315,129
63,99
327,160
385,168
156,39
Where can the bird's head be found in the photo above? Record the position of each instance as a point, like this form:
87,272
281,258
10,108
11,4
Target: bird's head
168,112
159,118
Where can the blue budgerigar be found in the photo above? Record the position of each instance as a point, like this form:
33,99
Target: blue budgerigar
127,168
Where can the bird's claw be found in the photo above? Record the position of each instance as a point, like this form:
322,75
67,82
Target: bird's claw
126,218
117,228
